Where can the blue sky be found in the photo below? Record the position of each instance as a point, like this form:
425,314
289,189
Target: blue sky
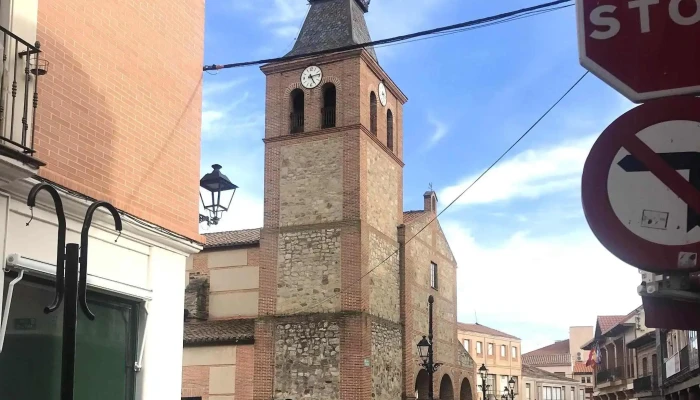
528,262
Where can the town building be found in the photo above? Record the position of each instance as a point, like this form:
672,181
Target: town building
539,384
564,357
637,362
343,273
498,351
101,100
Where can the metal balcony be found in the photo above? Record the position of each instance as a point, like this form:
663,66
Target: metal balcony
610,375
297,122
19,98
328,117
646,383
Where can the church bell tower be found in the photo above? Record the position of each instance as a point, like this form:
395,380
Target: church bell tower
328,328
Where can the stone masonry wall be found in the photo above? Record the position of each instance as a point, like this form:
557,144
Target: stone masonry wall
307,358
386,361
384,296
383,182
308,270
311,182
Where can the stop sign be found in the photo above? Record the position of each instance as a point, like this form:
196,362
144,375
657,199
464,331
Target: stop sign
643,48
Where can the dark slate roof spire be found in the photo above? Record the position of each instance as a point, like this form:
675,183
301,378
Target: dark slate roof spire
331,24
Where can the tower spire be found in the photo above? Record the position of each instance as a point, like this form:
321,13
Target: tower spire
331,24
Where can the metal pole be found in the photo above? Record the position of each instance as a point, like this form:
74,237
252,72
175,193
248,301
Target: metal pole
431,368
70,322
484,388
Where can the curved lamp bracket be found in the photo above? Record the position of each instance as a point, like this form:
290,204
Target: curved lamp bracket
82,281
60,246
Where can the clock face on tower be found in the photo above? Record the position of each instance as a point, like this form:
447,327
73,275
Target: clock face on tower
311,77
382,94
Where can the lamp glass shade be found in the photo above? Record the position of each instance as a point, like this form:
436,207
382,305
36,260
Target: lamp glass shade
423,347
511,383
484,372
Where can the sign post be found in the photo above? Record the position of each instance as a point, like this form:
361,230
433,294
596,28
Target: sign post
645,49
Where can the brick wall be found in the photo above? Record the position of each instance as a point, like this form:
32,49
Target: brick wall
195,381
119,113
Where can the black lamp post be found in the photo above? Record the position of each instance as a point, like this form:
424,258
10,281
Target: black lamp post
215,183
484,373
71,280
425,350
509,391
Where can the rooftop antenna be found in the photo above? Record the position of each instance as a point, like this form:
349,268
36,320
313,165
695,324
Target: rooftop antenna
430,186
476,319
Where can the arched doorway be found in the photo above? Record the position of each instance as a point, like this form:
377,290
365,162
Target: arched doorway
465,391
422,383
446,388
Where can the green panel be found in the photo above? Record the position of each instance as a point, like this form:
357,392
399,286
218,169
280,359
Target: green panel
30,363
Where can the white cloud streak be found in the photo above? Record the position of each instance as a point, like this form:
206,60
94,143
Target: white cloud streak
530,174
550,280
440,130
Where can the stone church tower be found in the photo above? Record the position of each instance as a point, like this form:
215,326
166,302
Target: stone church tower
333,201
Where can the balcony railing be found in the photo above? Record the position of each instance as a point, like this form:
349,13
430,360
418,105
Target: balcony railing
678,363
19,82
646,383
297,122
328,117
610,375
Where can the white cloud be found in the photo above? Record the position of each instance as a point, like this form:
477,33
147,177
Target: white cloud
556,281
439,132
216,87
230,119
281,17
389,18
530,174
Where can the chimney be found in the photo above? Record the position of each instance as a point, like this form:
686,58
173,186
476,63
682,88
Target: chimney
197,298
430,201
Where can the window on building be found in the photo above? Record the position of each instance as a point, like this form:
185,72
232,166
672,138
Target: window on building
547,393
373,113
583,379
552,393
390,130
528,394
490,349
503,383
503,350
573,393
645,368
581,394
514,352
328,110
105,346
467,346
491,381
433,275
297,114
479,350
588,379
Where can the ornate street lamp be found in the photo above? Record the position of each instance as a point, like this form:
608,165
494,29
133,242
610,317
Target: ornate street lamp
425,350
215,183
509,391
484,373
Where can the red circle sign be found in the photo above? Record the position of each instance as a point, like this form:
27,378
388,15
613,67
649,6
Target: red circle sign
645,49
641,186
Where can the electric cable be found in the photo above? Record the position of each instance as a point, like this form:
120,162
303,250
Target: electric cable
478,178
487,21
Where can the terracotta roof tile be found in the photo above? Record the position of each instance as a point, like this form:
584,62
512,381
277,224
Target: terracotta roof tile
560,347
581,368
533,372
547,359
483,330
219,331
607,322
232,238
410,217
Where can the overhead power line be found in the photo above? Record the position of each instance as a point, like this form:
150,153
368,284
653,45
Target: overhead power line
453,202
482,22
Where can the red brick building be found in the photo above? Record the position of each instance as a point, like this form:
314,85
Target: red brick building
101,100
338,278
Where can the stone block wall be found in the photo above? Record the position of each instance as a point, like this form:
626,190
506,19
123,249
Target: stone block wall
386,361
308,271
307,360
383,181
311,182
384,291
